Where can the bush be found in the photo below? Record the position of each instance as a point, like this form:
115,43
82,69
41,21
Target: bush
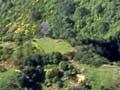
12,84
8,37
70,23
2,69
94,60
60,84
31,77
63,65
86,55
35,60
70,73
55,73
36,15
56,57
70,7
83,11
99,9
5,52
48,82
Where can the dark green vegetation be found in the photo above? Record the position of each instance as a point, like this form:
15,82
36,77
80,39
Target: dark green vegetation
59,45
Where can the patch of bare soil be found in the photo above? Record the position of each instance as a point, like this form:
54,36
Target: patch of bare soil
8,64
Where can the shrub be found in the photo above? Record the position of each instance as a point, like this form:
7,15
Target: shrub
8,37
31,77
60,84
48,82
70,7
94,60
36,15
70,23
12,84
6,52
35,60
45,59
63,65
99,9
2,69
56,57
70,73
86,55
83,11
55,73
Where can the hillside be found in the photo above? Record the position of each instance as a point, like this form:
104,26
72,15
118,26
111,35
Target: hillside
59,45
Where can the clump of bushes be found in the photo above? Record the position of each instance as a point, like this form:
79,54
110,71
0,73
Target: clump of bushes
63,65
53,76
86,55
56,57
54,73
34,71
5,52
13,84
31,77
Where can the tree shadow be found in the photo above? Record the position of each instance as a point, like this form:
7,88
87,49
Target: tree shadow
37,87
108,49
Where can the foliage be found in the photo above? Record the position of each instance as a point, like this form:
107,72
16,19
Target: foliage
31,77
56,57
38,69
86,55
63,65
2,68
35,33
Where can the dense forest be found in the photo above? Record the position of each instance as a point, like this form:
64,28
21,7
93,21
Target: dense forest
59,44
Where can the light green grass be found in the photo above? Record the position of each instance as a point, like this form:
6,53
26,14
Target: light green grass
49,45
5,76
107,76
103,76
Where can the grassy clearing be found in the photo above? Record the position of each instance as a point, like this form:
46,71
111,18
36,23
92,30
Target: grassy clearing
4,77
49,45
103,76
107,75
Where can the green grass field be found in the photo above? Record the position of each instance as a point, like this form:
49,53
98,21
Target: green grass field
107,76
49,45
4,78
